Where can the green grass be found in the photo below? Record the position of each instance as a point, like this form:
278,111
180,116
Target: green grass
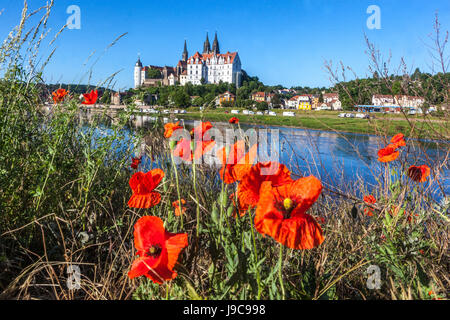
329,120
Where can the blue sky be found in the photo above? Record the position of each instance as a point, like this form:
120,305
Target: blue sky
281,42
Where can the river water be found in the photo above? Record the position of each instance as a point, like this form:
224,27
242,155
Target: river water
344,159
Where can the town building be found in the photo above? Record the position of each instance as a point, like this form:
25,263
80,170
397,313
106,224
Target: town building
397,101
213,67
225,97
210,66
331,102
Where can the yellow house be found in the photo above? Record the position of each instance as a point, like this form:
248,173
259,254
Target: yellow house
227,96
304,105
304,102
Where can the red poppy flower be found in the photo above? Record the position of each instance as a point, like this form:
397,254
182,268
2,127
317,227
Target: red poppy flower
248,189
169,128
419,173
184,151
398,140
179,209
388,154
233,120
200,132
143,185
158,250
90,98
135,162
370,199
236,164
59,95
281,213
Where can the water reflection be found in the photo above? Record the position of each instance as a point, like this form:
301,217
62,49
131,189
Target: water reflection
336,158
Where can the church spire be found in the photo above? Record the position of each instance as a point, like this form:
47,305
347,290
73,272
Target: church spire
206,45
215,47
185,52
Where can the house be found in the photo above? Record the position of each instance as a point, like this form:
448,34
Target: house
331,100
314,98
292,102
300,102
409,101
383,100
395,103
259,96
225,97
117,97
304,102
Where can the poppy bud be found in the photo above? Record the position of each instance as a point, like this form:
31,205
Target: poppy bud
223,199
230,211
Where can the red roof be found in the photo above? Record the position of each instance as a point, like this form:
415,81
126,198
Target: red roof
229,57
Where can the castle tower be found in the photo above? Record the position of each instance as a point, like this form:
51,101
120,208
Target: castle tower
137,73
184,57
206,45
215,47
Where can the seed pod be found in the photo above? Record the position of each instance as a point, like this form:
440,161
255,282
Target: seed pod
230,211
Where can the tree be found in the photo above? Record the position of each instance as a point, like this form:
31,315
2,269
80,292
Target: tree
180,98
276,101
397,88
262,106
202,81
227,104
198,101
153,74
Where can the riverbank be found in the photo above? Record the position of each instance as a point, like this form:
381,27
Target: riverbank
331,122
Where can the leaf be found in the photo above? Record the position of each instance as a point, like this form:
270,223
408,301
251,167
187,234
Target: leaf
192,293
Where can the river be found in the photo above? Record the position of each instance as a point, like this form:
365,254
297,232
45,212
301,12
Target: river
347,160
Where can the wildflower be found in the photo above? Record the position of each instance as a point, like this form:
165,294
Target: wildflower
398,140
281,213
59,95
135,162
248,189
370,199
236,164
157,249
179,209
90,98
143,185
388,154
169,128
200,132
419,173
183,149
233,120
202,143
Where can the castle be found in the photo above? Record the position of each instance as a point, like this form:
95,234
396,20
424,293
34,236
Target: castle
210,66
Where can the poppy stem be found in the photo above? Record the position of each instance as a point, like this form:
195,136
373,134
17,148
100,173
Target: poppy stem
196,196
280,272
178,186
258,276
167,290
